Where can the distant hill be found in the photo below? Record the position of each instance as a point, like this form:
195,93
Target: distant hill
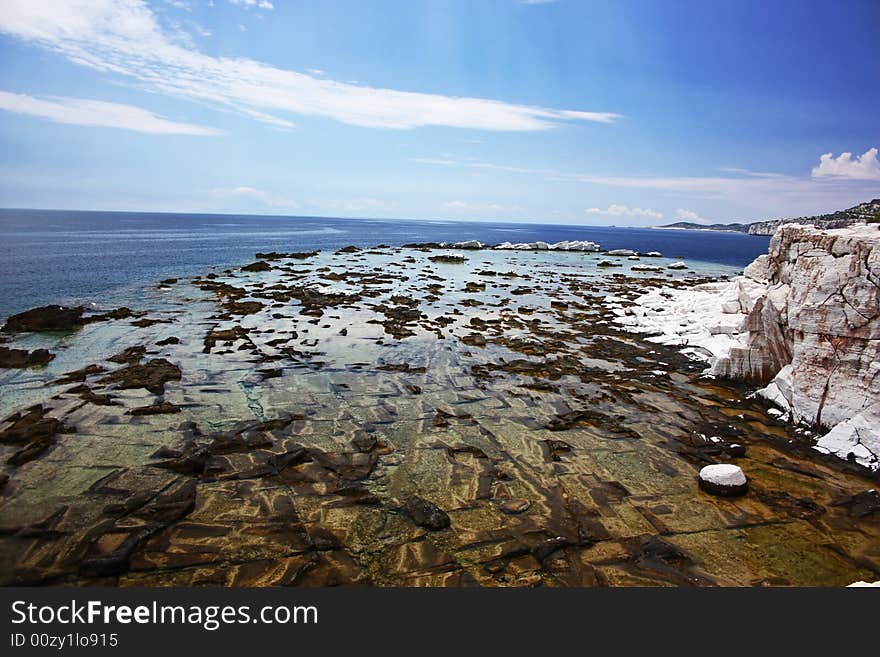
868,212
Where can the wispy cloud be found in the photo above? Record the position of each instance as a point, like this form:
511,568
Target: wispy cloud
124,38
760,194
862,167
615,210
97,113
253,194
434,160
689,215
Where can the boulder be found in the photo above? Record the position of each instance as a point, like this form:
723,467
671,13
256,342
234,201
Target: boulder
723,479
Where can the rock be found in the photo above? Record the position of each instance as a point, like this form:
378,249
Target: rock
608,263
163,408
723,479
572,245
35,430
47,318
448,259
803,321
259,265
152,375
514,506
16,358
426,514
621,252
677,265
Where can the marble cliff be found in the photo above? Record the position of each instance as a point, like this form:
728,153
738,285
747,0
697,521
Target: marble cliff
803,321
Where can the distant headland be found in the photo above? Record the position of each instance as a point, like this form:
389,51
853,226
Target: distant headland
862,213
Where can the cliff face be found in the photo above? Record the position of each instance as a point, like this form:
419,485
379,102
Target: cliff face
813,333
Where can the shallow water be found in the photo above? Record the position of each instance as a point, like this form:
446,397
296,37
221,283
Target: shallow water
564,451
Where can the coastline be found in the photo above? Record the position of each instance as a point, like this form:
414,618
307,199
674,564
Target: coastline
349,401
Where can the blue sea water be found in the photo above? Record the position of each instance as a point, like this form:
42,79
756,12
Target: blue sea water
57,256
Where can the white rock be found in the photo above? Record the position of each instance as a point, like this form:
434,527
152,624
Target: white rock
677,265
621,252
569,245
723,479
469,244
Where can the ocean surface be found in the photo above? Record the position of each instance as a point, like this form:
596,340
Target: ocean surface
106,258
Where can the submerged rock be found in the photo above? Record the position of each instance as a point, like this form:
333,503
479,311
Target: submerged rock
152,375
426,514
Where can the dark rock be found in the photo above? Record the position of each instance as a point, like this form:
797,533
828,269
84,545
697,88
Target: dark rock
130,355
22,358
165,408
259,265
167,341
448,259
152,375
426,514
866,503
47,318
80,375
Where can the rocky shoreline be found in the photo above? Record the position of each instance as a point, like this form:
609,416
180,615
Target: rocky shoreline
429,415
803,322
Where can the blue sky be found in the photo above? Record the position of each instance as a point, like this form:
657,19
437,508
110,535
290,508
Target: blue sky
626,113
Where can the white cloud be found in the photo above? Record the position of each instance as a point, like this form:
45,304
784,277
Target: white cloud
253,194
259,4
123,38
316,71
97,113
434,160
862,167
615,210
484,208
689,215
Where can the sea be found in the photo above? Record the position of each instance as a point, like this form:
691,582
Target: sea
107,258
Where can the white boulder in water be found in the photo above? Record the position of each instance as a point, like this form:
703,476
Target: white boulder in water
568,245
469,244
653,254
677,265
723,479
621,252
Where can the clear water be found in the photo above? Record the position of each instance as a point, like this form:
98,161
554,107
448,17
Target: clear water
107,258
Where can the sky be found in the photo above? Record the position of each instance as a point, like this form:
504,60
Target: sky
608,112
